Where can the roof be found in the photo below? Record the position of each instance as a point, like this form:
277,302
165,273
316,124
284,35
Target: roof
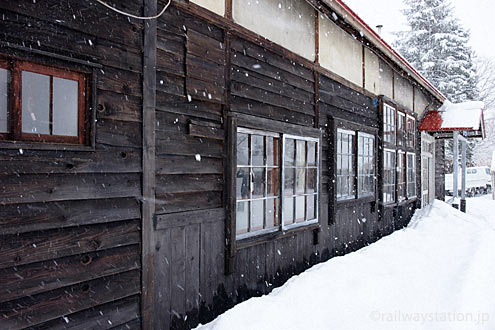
466,116
354,20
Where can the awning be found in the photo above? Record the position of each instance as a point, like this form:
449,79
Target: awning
466,117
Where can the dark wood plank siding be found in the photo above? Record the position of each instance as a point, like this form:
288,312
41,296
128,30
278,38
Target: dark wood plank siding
440,169
70,220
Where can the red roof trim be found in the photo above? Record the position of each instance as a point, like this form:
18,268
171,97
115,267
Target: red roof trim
432,122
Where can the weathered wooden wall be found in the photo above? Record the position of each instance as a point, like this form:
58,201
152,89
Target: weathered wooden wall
70,219
203,74
440,169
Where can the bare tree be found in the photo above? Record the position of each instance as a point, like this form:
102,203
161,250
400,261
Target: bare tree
485,68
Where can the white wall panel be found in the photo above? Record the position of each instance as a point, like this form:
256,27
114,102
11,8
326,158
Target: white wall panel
289,23
420,102
372,72
403,91
340,52
216,6
386,80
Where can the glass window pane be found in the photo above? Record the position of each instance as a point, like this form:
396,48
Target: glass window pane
288,210
273,183
242,183
258,150
311,154
4,100
242,217
242,149
311,184
300,153
289,152
300,209
35,103
65,106
300,180
272,151
310,207
257,219
258,175
289,181
272,211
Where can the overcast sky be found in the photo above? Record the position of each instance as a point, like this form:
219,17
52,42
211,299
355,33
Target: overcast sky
476,16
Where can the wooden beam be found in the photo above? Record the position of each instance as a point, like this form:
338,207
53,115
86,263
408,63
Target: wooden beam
148,204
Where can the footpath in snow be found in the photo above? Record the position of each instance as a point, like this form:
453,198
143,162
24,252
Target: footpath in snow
436,274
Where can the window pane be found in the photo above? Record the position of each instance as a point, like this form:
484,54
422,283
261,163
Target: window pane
272,213
257,219
311,154
242,184
272,151
300,210
311,184
65,106
289,152
300,180
288,210
258,150
310,207
300,153
35,103
273,183
242,149
258,182
289,181
4,100
242,217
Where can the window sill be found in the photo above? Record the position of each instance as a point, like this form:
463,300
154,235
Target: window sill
44,146
364,199
255,240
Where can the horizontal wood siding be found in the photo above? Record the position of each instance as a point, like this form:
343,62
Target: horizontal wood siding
70,220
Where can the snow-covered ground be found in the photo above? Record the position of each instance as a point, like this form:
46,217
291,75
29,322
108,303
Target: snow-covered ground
436,274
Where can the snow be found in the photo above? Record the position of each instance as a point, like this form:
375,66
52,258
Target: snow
435,274
465,114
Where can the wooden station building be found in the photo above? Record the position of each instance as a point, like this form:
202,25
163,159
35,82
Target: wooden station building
154,173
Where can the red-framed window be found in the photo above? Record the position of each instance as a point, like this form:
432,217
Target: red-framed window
40,103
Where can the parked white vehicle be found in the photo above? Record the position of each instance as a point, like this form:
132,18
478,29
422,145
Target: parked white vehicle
478,181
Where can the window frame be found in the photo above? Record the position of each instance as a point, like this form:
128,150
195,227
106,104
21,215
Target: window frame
84,103
357,129
373,161
235,120
353,175
400,149
414,168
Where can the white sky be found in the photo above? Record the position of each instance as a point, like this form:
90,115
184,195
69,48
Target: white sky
476,16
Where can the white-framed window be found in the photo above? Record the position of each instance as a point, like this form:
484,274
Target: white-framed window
411,131
401,175
389,123
345,164
411,174
389,169
401,129
366,164
276,181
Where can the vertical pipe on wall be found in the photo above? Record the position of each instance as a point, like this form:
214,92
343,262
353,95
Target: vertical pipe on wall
456,168
148,176
463,184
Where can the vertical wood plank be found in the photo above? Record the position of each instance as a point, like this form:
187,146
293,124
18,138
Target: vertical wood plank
192,247
178,271
148,206
162,270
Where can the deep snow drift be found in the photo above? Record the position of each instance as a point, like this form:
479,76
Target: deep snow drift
436,274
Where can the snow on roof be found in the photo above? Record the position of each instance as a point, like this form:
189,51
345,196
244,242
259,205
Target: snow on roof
492,168
462,115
